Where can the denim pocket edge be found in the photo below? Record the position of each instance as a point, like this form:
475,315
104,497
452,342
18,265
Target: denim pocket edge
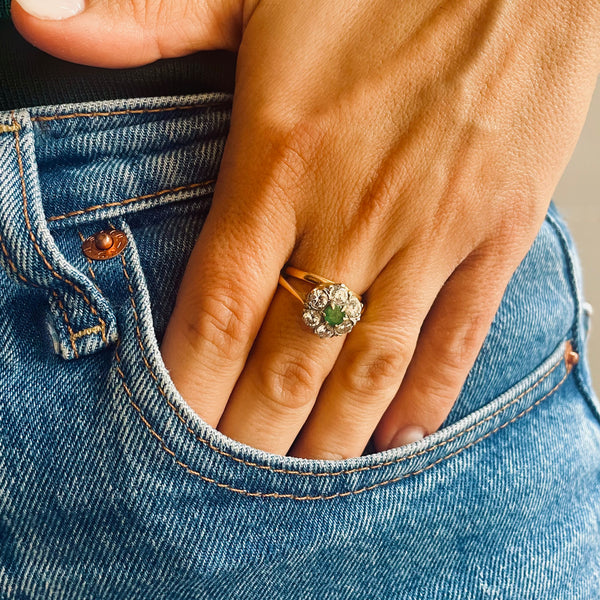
206,453
581,326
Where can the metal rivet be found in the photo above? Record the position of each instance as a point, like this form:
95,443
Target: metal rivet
572,358
103,241
105,244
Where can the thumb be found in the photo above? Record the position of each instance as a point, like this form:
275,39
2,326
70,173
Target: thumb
109,33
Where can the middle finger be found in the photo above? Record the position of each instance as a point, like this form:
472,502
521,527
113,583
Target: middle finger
281,378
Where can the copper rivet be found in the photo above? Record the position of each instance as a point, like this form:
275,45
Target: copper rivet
103,241
572,357
104,244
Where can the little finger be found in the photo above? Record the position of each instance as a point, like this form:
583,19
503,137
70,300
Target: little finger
449,342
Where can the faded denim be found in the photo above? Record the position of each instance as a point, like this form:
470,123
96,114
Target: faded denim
112,488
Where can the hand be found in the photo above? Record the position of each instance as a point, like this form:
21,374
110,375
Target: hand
407,149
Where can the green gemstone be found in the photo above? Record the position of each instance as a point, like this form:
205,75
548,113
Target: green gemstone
333,314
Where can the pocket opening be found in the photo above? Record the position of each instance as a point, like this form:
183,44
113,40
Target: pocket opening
212,457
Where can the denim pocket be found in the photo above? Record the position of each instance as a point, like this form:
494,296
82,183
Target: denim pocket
202,452
521,362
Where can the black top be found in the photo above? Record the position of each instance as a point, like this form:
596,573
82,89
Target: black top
30,77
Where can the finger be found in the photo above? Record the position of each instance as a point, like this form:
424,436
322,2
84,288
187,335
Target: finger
281,379
448,345
228,284
125,34
373,360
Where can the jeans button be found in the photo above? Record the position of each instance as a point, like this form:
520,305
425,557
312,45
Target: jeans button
105,244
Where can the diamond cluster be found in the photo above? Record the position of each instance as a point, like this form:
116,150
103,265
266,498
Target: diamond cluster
331,310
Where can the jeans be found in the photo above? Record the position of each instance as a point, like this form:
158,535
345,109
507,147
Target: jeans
111,487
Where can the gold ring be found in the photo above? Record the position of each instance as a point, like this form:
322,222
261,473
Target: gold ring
330,308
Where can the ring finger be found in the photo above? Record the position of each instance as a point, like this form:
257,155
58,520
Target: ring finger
373,360
282,379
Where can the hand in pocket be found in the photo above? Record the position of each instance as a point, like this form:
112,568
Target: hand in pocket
409,152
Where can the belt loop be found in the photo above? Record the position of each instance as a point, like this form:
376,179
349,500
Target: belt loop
80,319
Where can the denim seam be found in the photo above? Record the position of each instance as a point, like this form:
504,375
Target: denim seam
4,128
66,319
89,209
135,111
72,335
581,385
289,471
98,328
317,497
13,266
36,245
87,331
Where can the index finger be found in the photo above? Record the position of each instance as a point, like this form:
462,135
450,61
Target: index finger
226,290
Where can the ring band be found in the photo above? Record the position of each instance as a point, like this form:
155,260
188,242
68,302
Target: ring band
330,308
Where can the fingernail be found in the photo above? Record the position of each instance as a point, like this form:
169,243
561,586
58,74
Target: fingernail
407,435
52,9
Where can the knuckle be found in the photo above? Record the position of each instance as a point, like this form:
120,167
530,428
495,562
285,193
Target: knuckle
462,351
290,159
457,348
385,195
378,369
289,382
223,324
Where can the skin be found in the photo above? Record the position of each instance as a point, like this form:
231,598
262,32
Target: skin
408,149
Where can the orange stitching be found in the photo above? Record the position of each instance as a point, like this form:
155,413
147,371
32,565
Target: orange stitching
139,339
13,266
9,128
130,111
331,496
307,473
72,335
101,326
70,329
88,331
89,260
34,240
191,186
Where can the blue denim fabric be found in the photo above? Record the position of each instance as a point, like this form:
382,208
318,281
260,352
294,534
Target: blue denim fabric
111,487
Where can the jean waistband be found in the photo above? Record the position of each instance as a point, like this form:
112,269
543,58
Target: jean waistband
74,163
100,155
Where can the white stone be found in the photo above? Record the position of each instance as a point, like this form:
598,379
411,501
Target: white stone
324,331
344,327
353,308
339,295
311,318
317,298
